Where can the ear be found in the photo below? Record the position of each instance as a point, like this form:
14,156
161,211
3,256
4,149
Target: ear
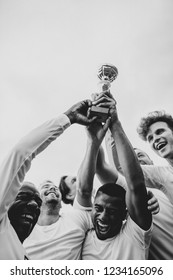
124,214
68,196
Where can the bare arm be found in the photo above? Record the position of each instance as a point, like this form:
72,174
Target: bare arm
112,151
136,196
105,172
88,167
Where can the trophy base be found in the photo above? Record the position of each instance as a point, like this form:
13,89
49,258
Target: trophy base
100,112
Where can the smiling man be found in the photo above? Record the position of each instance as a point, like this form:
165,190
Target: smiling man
114,235
157,130
16,225
57,235
25,210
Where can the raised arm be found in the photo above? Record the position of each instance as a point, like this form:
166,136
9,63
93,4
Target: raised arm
95,133
136,196
18,161
105,172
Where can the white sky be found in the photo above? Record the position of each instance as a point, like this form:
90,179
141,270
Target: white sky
50,51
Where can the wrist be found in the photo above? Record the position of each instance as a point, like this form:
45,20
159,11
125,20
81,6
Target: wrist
70,115
115,125
93,145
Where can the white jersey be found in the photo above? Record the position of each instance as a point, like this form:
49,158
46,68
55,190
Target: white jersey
161,247
159,177
132,242
61,240
12,173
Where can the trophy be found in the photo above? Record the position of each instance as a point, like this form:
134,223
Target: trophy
107,73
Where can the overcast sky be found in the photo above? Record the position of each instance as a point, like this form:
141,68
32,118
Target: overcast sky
50,51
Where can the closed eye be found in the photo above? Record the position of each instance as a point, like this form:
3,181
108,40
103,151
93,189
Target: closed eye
150,138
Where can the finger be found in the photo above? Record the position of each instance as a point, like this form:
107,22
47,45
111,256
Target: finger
88,112
95,96
153,205
152,200
88,102
107,123
155,212
91,120
102,97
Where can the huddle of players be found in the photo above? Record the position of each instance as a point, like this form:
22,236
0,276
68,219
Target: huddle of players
118,222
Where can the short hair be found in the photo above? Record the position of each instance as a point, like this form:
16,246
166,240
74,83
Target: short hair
44,183
153,117
64,189
112,189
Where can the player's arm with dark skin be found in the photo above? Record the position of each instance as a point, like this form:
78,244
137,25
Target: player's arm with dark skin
86,173
136,196
104,171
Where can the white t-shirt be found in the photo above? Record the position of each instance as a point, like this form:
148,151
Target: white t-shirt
12,173
161,247
10,246
132,243
61,240
159,177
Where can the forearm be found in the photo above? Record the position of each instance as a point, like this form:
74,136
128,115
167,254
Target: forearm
86,175
105,172
112,151
131,168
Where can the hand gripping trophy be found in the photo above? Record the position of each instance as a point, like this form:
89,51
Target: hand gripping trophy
107,73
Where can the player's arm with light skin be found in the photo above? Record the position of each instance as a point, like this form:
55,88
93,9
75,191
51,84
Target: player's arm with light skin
136,194
86,173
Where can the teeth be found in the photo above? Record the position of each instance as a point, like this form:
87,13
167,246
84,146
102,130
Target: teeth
103,227
160,145
27,216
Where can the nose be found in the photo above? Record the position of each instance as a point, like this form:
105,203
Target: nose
104,216
32,204
52,188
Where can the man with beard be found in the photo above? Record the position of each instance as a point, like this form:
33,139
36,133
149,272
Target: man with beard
114,236
58,235
12,173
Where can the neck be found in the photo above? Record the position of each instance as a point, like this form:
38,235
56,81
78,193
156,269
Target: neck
170,161
48,216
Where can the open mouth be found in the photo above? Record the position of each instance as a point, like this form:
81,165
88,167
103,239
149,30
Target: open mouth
102,228
53,193
160,146
27,217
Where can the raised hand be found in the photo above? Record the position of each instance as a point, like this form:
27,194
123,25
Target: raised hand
153,204
78,113
107,100
96,131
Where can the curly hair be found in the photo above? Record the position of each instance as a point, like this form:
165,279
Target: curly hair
153,117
